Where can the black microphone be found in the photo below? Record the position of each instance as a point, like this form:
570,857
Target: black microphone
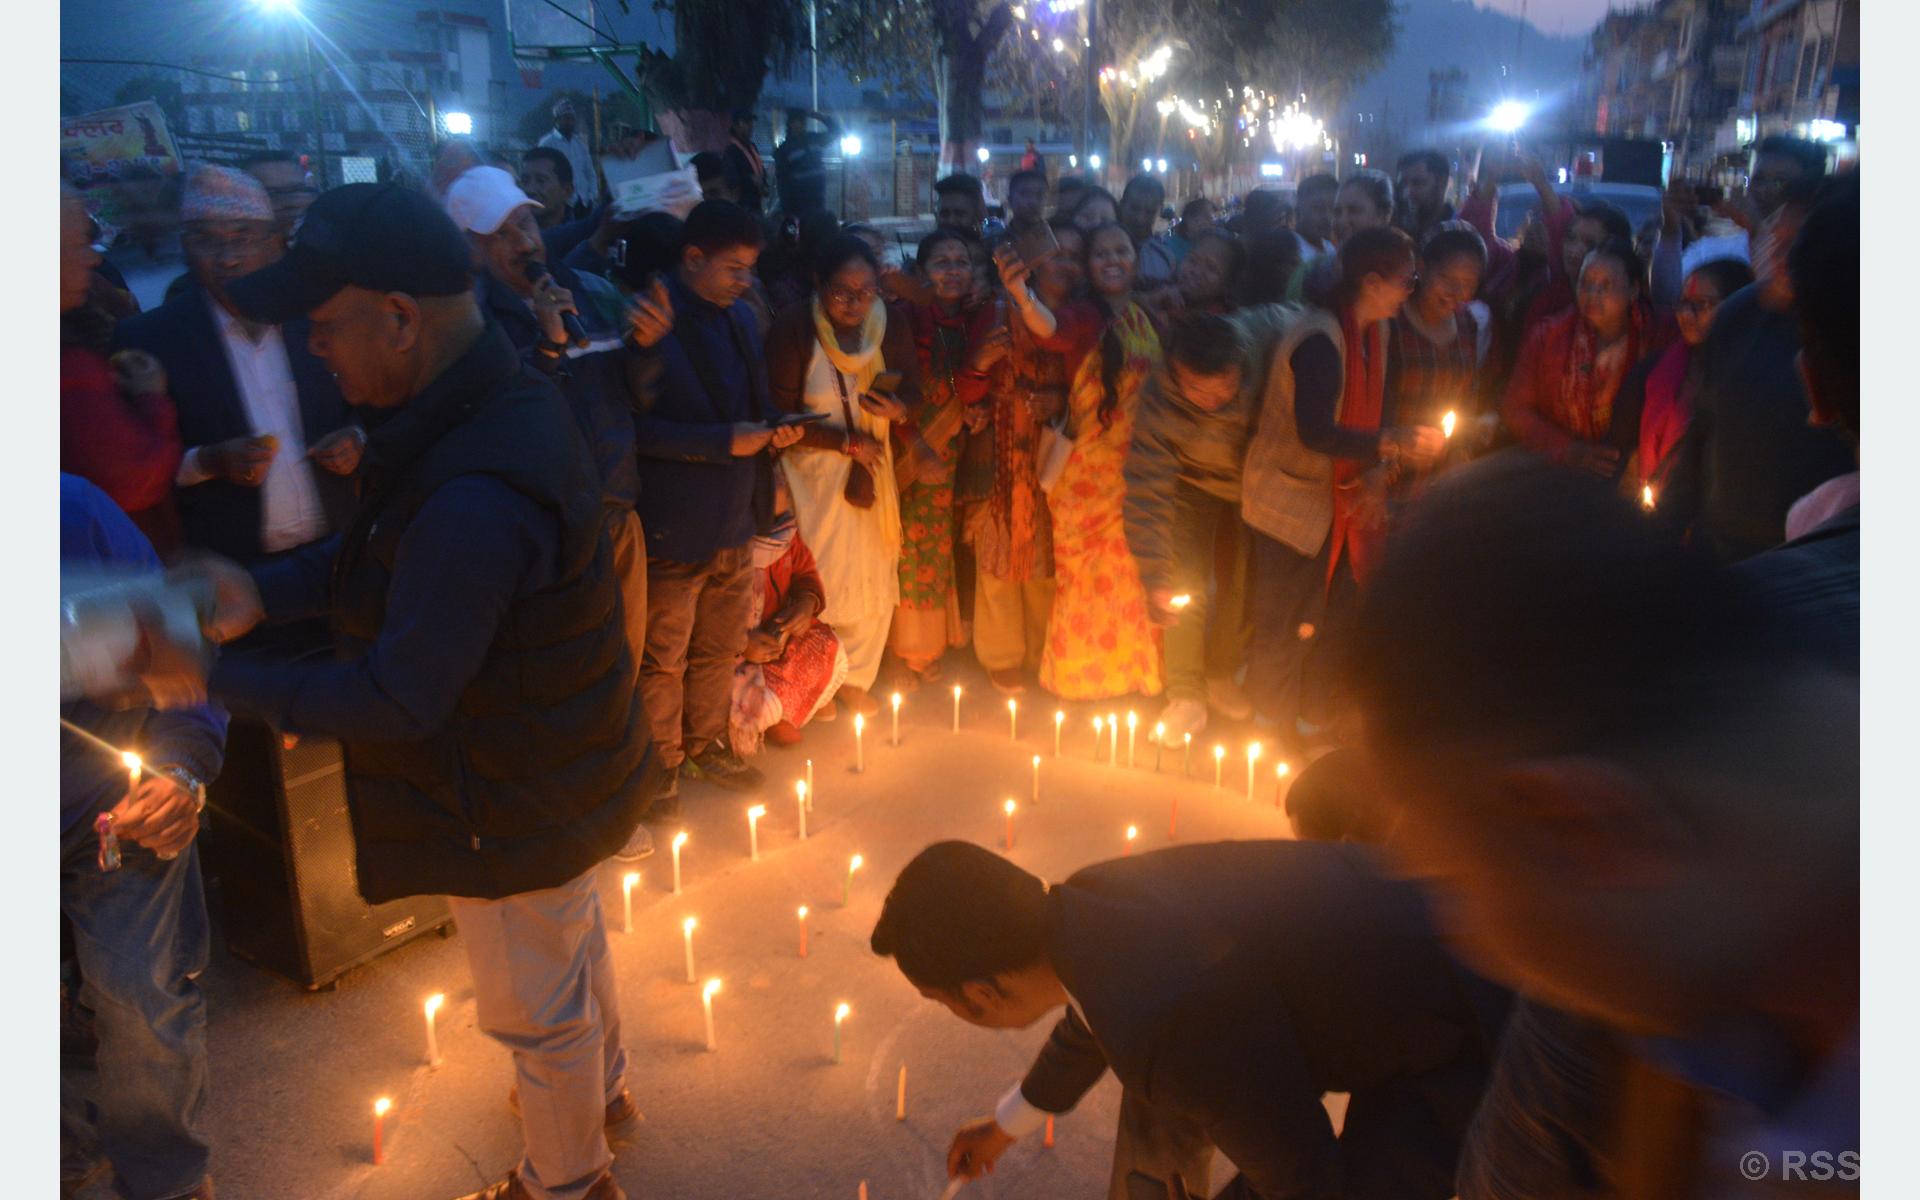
537,274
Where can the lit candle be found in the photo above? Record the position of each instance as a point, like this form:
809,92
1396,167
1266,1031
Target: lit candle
1009,806
433,1042
679,840
1036,780
1013,719
1059,719
859,742
1159,736
628,882
1186,758
1180,602
1219,761
900,1096
1048,1143
706,1001
1280,774
1113,739
380,1110
1253,756
956,708
1133,723
810,792
846,893
803,931
1447,423
1098,725
132,763
1133,832
800,796
686,935
839,1015
863,1189
1646,497
896,718
753,831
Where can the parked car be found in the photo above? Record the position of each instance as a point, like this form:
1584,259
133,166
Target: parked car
1640,202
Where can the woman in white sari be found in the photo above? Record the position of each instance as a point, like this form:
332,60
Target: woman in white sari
827,355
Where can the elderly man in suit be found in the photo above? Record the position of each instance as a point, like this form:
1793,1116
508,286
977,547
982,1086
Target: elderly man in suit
269,443
1229,986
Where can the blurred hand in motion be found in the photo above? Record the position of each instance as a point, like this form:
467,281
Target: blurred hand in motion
651,316
237,607
975,1149
159,815
339,452
241,460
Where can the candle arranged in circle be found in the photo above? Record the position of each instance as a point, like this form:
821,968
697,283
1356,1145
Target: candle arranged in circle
1133,723
1219,761
1113,739
1133,832
753,831
1013,719
1186,757
1280,772
839,1015
1036,779
956,708
1009,807
809,785
686,934
800,794
433,1042
706,1002
381,1107
628,882
846,893
896,718
1159,743
1059,720
859,742
679,840
1253,756
1098,725
900,1096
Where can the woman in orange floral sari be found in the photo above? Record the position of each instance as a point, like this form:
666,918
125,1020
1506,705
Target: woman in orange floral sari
1100,642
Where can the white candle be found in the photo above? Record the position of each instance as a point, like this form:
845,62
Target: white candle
956,708
679,840
1098,725
1036,780
628,882
706,1000
1113,739
896,718
1280,773
753,831
1013,719
1059,720
859,742
1159,743
1219,760
1253,756
433,1043
1009,806
1133,723
686,935
800,795
839,1015
1186,756
846,893
803,931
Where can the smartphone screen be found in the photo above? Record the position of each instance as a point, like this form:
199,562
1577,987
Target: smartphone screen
886,383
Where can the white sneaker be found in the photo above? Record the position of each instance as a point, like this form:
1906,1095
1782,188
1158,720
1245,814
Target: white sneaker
638,846
1182,717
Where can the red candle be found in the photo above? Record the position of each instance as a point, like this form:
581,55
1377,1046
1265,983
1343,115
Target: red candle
1009,809
1133,831
1049,1141
380,1108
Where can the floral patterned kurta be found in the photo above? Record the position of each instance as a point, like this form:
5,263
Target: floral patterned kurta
1100,642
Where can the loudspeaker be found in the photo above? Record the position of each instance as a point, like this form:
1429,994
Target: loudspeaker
282,848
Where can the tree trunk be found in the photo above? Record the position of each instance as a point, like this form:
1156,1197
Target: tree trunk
962,78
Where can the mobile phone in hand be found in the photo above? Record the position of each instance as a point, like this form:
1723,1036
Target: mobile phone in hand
805,418
886,383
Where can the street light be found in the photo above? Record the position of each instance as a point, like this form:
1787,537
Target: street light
850,145
1146,164
1093,160
292,8
1508,116
983,154
1161,166
459,124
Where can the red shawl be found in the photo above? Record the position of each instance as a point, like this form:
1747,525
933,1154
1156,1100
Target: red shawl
1362,403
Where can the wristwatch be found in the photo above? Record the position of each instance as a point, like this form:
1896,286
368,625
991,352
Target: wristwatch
189,783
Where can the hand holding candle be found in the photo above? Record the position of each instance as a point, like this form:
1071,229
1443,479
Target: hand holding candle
706,1002
686,934
433,1043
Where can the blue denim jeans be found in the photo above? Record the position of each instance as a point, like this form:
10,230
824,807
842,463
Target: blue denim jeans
140,933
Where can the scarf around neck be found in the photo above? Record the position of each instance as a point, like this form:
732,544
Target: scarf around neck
862,364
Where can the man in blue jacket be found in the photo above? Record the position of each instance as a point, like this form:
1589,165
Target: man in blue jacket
704,436
140,930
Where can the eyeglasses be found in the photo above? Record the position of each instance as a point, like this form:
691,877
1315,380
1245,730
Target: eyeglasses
843,295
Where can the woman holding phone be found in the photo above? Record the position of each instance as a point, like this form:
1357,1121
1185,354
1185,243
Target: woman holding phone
834,355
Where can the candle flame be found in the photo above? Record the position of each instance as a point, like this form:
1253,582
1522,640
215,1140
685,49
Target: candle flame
630,880
1159,729
800,788
130,760
1447,423
1036,760
1189,739
1059,715
855,863
1219,751
706,993
679,839
1253,750
687,925
896,702
381,1106
1282,769
859,723
803,912
1646,496
1013,705
1180,601
434,1002
1133,719
756,812
1096,725
1133,831
1009,806
956,691
840,1013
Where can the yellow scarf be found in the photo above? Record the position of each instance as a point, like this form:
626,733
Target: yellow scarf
863,364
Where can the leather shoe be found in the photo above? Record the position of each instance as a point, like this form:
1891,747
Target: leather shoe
604,1188
1008,682
620,1109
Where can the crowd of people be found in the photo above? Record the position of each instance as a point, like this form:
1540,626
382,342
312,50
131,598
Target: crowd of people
1546,551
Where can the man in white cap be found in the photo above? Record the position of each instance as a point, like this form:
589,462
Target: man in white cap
562,137
270,447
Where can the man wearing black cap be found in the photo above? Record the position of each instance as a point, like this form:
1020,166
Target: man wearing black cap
495,751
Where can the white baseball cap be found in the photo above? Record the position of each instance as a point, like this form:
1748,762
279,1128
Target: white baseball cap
482,199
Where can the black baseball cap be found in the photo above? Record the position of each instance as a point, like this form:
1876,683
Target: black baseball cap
374,235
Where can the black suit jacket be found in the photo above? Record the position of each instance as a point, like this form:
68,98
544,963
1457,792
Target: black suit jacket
217,515
1234,983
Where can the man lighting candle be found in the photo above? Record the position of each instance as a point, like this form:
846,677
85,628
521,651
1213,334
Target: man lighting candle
1176,977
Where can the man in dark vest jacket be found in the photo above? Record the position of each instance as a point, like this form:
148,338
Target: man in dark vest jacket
1228,986
494,748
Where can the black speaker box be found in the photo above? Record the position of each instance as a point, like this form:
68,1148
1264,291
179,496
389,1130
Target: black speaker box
282,848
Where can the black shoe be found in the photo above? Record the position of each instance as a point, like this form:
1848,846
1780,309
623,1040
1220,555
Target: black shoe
718,764
665,804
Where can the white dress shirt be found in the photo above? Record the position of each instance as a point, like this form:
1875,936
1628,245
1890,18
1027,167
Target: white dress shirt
290,510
